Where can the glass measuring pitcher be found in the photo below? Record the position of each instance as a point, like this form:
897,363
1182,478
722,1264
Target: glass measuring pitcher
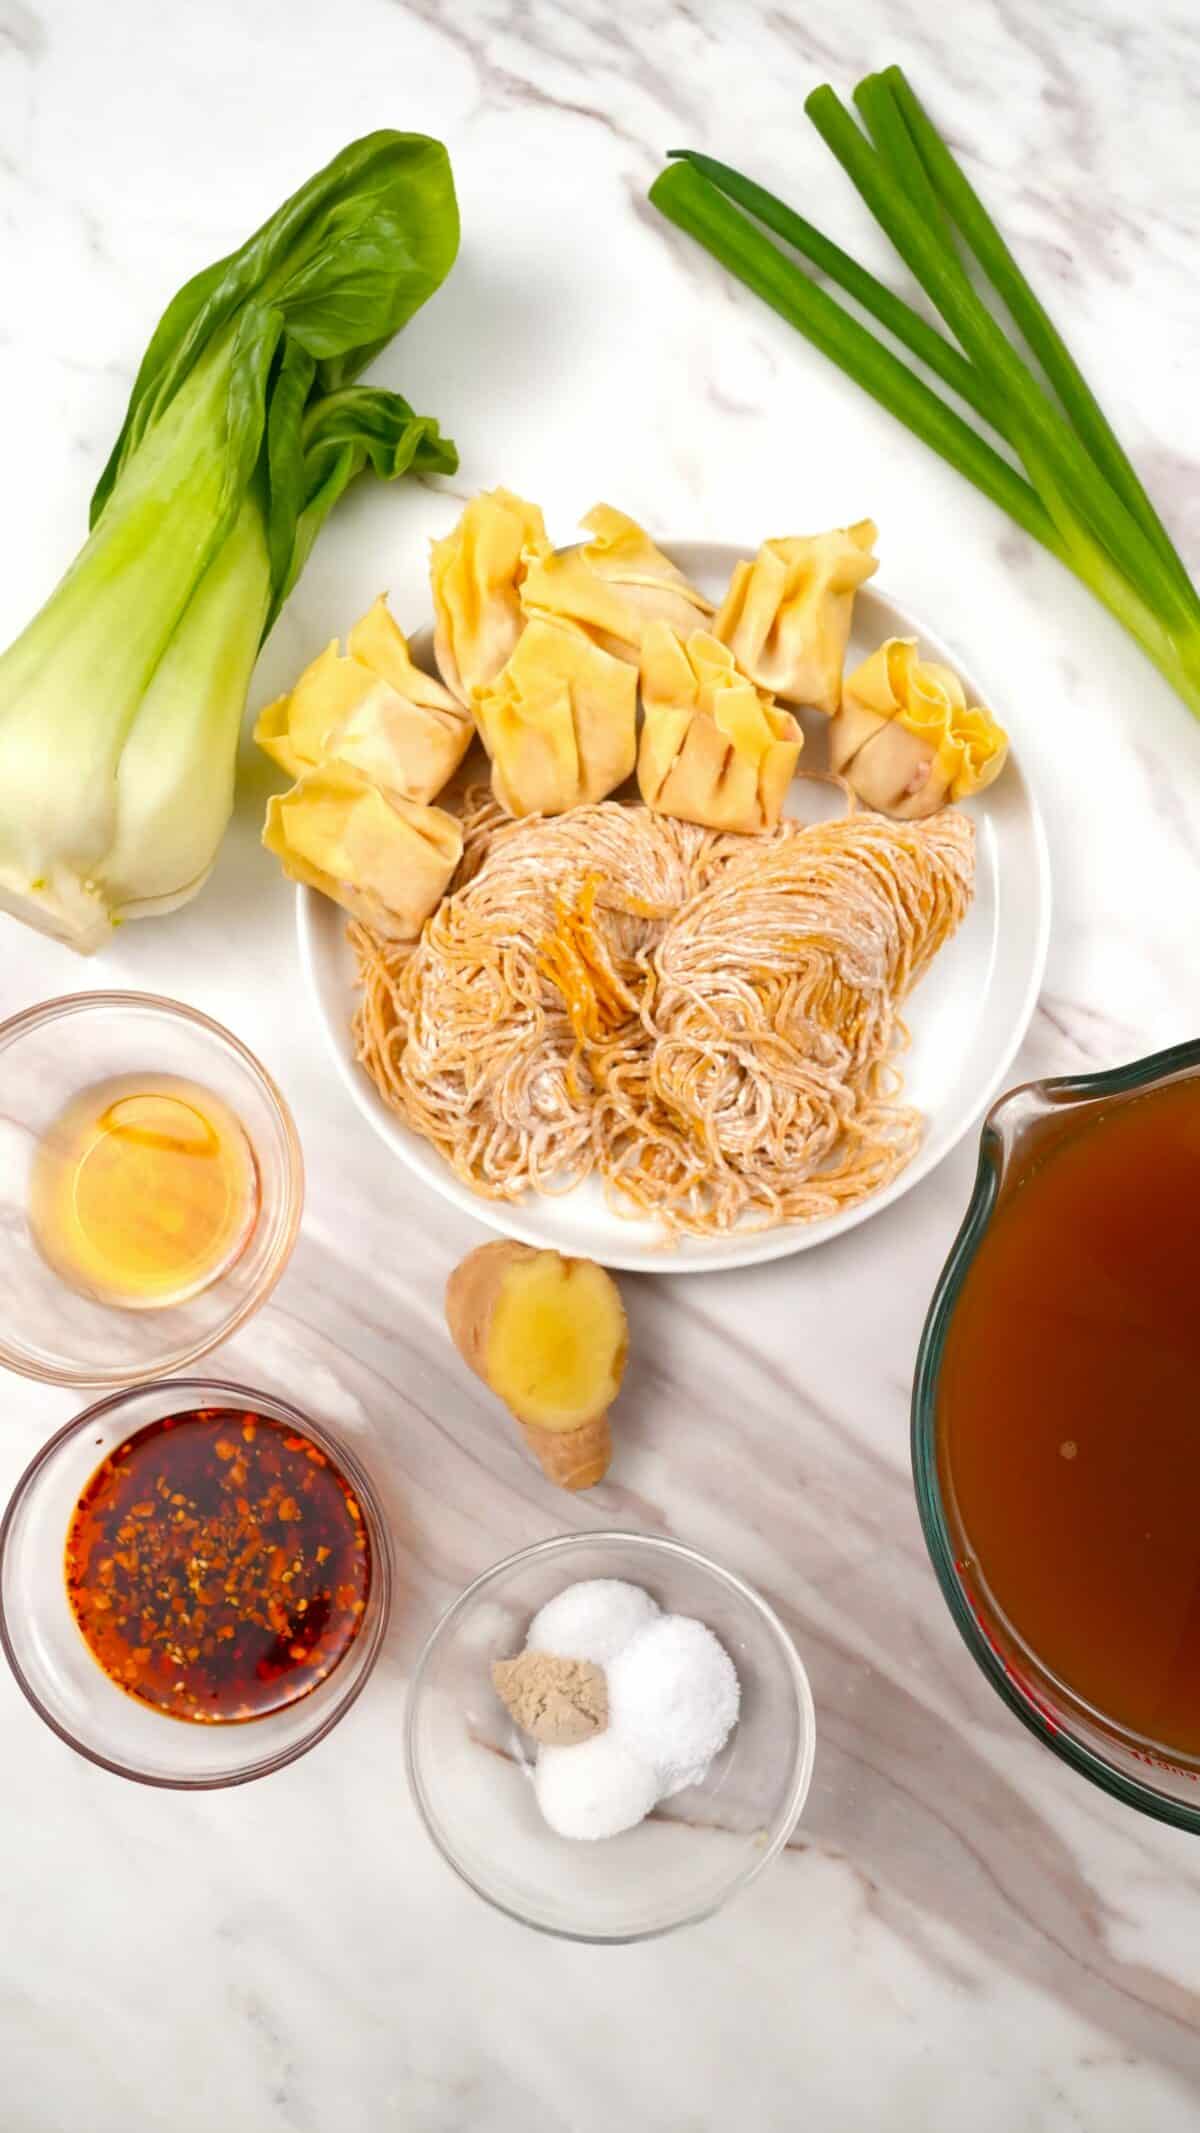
1022,1130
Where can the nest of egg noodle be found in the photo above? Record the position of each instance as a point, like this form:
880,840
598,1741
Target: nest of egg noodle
709,1023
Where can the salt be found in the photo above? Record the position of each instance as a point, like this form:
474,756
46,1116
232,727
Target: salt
595,1789
592,1620
673,1697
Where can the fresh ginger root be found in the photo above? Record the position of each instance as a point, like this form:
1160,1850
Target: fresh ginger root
548,1336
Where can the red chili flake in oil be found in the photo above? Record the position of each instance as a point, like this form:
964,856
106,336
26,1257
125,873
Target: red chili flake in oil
218,1565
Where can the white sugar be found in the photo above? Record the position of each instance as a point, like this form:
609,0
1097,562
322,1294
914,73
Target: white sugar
595,1789
592,1620
673,1698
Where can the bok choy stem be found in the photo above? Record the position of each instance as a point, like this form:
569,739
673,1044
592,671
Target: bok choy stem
120,702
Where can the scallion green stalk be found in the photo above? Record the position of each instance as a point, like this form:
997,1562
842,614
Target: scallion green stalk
906,325
945,281
686,197
1028,312
889,130
1083,500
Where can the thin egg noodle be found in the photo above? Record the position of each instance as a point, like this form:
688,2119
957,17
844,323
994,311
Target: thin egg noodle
709,1023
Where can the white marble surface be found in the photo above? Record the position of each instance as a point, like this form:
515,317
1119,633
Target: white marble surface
961,1933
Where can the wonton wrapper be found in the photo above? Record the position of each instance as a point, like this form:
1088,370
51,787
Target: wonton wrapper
560,724
476,573
385,859
907,740
613,586
714,749
786,615
372,708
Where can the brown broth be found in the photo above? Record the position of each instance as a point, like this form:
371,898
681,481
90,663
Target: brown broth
218,1565
1068,1414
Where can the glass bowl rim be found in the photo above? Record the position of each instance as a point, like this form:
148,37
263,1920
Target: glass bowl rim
563,1544
1109,1081
74,1377
381,1569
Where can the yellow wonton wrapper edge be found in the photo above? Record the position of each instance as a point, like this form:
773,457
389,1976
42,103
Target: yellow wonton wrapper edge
786,616
906,739
560,722
372,707
613,586
714,749
476,572
387,860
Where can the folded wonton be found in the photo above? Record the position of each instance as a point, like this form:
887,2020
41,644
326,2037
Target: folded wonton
560,722
386,859
714,748
786,615
372,708
907,740
476,573
612,585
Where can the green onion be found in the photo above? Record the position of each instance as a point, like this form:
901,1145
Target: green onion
943,278
1082,500
686,197
905,324
889,130
1028,312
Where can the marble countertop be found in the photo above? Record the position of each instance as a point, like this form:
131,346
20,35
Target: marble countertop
960,1932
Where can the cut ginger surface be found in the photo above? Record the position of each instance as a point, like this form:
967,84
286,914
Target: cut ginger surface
557,1343
548,1336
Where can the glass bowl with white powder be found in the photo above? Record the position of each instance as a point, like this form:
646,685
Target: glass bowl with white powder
473,1769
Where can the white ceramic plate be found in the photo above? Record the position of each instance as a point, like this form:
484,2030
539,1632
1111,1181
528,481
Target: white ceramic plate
967,1016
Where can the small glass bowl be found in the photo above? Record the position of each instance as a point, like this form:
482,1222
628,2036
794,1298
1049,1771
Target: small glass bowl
53,1665
49,1054
471,1770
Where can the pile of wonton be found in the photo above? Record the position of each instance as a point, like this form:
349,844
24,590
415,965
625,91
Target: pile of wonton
548,655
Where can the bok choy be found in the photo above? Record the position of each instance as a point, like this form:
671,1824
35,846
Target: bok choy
121,702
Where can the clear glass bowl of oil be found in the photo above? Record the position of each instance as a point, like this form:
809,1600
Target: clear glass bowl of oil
151,1185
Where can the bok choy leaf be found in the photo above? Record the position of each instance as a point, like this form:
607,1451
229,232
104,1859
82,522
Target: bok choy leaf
120,703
